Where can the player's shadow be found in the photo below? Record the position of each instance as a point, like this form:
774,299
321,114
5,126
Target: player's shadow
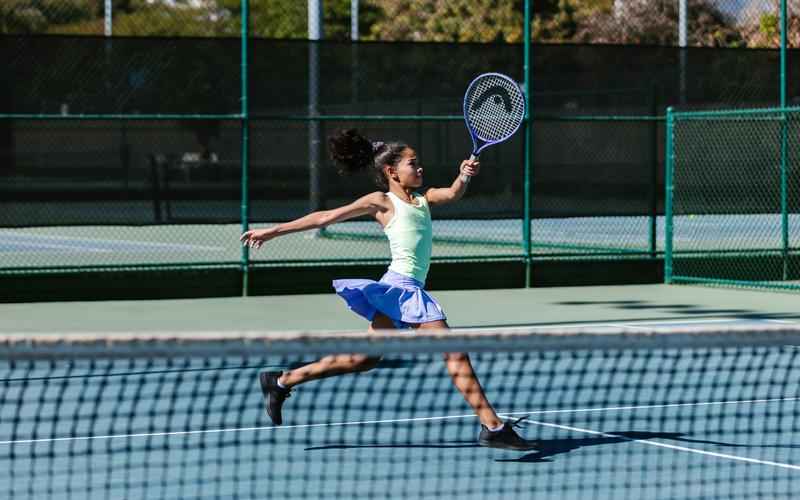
552,447
687,309
547,448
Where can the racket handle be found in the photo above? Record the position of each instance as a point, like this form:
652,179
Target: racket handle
465,178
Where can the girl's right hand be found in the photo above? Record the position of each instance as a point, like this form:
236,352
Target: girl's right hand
257,237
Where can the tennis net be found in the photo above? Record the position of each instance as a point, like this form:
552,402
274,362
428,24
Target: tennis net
658,413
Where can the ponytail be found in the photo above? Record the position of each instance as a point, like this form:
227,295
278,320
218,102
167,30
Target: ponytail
353,153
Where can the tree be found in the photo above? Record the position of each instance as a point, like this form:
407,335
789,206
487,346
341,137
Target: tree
289,18
35,16
761,24
449,20
558,23
656,23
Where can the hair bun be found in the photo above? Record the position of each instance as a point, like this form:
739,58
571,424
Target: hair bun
377,145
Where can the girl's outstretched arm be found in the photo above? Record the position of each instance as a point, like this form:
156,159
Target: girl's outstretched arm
440,196
366,205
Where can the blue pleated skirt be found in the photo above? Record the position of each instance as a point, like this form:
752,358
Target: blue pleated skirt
399,297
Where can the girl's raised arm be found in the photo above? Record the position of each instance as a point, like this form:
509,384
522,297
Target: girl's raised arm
454,192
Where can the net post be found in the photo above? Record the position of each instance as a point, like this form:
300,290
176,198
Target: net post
668,176
784,148
245,153
526,216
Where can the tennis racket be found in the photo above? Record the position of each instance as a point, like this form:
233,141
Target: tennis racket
494,107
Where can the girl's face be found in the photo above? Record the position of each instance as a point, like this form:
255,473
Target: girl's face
407,172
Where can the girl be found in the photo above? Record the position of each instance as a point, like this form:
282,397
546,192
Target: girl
398,300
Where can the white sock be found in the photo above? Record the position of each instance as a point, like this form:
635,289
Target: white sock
496,429
281,385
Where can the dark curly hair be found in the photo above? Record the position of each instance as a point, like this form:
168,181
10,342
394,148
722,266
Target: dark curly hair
354,153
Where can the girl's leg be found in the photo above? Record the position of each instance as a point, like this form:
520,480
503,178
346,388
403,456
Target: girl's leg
336,364
465,380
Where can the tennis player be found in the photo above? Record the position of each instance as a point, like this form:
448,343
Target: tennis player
399,299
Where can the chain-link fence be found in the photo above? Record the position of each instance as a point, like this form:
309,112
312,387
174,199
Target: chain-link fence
734,198
128,125
105,95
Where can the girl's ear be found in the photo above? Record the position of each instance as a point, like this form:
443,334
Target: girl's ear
390,172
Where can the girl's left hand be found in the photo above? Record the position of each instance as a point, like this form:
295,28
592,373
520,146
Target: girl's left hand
470,168
257,237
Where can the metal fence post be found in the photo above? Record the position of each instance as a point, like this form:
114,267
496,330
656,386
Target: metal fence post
784,149
668,179
245,153
527,75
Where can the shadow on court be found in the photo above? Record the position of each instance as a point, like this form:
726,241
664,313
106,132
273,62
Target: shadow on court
552,447
688,309
548,447
611,322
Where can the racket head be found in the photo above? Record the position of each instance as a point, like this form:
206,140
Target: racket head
494,109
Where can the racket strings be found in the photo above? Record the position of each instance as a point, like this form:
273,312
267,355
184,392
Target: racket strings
495,108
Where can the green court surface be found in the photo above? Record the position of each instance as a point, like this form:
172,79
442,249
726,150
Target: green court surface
197,245
464,308
364,241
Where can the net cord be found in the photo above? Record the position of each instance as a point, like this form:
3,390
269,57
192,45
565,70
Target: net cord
171,344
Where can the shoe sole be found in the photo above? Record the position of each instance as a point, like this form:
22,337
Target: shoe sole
502,446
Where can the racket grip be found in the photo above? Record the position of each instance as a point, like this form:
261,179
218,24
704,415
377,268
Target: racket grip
465,178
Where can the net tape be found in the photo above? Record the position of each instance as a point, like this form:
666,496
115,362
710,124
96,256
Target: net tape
72,345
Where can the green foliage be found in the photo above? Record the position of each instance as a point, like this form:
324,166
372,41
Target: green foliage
558,24
448,20
279,19
154,20
769,25
289,18
554,21
35,16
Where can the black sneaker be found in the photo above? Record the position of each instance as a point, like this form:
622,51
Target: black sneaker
506,438
274,395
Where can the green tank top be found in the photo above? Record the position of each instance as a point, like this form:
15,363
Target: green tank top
410,234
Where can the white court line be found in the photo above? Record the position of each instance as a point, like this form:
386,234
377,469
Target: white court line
58,247
371,422
646,407
240,429
35,237
649,325
669,446
635,324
